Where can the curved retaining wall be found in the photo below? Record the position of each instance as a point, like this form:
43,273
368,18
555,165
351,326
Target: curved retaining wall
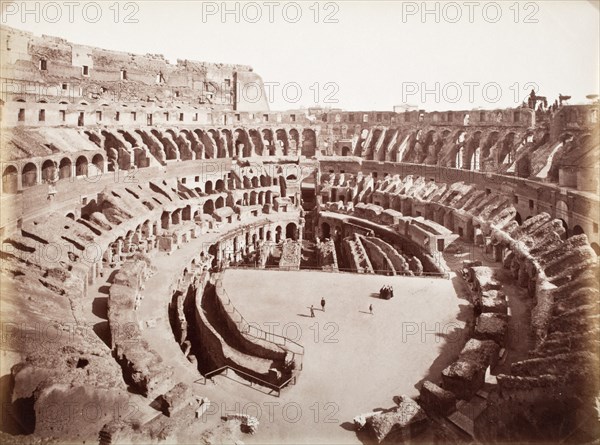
217,351
234,321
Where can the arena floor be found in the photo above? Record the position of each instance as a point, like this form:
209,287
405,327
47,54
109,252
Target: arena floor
354,362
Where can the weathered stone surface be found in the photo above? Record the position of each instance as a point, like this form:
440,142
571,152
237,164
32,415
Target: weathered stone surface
494,301
491,327
175,399
481,352
464,378
436,400
248,424
402,423
77,412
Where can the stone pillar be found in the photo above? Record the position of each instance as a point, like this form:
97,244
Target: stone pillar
498,251
119,250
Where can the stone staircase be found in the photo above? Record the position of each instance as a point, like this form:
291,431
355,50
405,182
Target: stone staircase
467,411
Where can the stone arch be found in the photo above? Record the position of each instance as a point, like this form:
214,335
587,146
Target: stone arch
346,151
255,182
518,218
241,143
10,179
578,230
220,185
146,229
220,149
98,162
48,170
253,197
264,182
489,142
596,248
295,136
267,136
291,231
208,187
325,231
64,168
283,141
473,151
81,166
562,209
165,220
186,213
278,231
29,175
257,141
505,154
209,207
176,216
220,202
309,142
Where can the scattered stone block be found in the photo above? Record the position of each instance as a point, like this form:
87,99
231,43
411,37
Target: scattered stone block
175,399
399,424
248,424
493,301
481,352
491,327
437,400
464,378
360,421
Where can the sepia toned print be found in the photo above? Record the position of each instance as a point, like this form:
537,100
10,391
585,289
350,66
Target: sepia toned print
299,222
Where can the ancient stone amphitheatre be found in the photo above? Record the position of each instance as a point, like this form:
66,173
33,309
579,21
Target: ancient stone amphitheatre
165,254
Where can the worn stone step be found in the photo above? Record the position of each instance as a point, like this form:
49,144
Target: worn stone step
463,422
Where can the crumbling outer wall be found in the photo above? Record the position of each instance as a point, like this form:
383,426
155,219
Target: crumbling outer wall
147,76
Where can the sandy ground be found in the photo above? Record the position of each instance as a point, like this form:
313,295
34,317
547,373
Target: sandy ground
354,362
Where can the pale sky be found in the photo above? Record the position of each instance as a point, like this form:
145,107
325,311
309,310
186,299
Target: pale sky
355,55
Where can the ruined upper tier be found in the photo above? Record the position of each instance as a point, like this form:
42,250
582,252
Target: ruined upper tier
54,68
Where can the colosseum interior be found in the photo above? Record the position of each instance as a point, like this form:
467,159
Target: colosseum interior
181,266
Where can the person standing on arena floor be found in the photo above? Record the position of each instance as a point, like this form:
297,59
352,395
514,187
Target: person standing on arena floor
323,304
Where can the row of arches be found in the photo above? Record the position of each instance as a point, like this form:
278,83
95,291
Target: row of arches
50,170
126,148
145,236
458,148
